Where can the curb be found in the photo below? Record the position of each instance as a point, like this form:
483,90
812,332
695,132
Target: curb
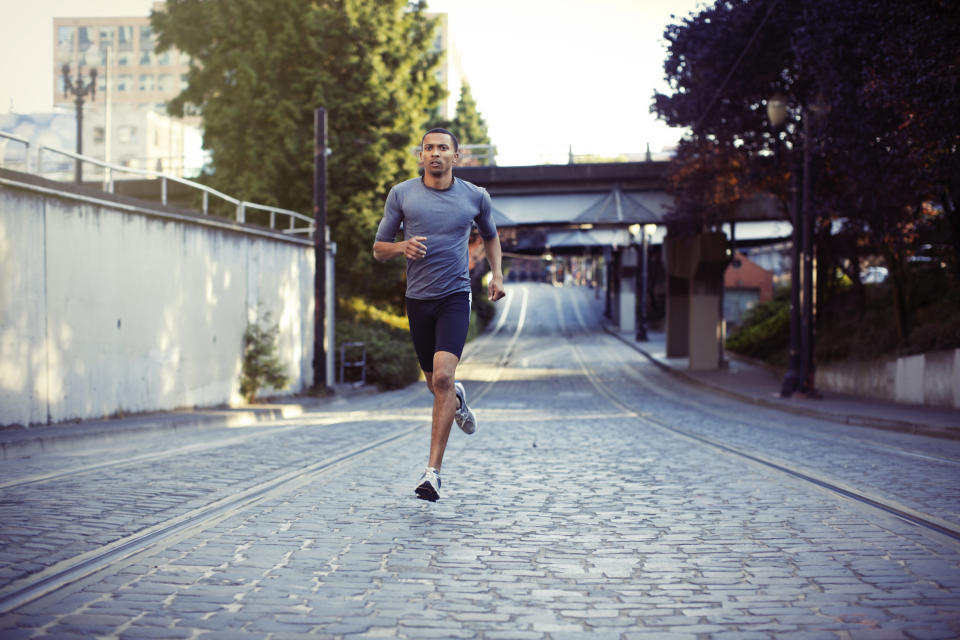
900,426
62,438
71,436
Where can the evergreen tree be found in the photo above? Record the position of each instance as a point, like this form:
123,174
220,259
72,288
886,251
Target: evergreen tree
258,70
468,124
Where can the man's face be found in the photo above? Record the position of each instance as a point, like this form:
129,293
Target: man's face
437,154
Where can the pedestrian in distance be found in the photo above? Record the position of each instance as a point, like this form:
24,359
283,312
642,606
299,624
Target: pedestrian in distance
437,212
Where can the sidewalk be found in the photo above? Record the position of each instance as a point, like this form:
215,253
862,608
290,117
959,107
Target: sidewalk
19,442
751,383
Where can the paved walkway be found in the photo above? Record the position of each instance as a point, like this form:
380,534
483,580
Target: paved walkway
754,384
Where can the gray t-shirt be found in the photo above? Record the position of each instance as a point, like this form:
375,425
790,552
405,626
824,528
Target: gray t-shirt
445,218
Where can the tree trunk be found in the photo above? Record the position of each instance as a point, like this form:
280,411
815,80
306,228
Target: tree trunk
953,220
898,281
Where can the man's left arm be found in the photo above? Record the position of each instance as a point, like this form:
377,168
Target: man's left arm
494,258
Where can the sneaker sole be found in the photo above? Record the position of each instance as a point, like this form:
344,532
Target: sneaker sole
426,492
468,427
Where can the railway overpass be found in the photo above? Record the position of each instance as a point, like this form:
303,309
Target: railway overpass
589,209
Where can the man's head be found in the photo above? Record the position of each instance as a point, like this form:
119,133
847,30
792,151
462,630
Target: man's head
439,152
453,138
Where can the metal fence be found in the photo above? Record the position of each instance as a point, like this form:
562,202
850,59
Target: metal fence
18,163
60,166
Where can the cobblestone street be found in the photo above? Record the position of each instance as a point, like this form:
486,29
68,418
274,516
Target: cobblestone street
599,498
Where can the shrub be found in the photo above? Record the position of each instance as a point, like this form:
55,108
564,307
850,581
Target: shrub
765,332
391,360
261,364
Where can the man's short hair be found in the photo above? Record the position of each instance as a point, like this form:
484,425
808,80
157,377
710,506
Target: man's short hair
456,143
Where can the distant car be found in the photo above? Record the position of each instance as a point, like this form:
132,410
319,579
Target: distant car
873,275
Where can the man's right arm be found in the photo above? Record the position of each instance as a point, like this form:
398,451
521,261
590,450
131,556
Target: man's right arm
383,247
413,249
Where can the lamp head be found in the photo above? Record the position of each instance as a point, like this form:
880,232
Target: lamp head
777,109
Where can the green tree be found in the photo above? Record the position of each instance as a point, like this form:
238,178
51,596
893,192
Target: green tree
259,69
468,124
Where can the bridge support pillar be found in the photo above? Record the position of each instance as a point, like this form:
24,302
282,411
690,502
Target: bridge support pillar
627,299
695,267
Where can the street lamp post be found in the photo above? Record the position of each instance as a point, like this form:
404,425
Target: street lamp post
800,373
777,113
807,366
80,91
647,231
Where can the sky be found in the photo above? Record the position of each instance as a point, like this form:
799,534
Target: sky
548,75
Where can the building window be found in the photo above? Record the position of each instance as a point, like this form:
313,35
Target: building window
184,81
124,82
146,58
164,58
125,38
106,38
164,82
146,38
126,134
146,82
84,39
124,60
98,135
65,38
85,46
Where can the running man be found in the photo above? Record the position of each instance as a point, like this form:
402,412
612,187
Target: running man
437,213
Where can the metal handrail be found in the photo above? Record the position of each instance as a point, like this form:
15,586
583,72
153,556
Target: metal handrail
241,205
24,142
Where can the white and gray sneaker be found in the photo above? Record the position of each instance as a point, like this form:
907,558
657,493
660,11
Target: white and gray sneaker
428,486
464,416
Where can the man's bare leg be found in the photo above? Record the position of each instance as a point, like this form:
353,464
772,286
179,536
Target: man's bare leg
445,403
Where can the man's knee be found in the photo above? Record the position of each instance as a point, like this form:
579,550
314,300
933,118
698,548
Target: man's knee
442,381
444,372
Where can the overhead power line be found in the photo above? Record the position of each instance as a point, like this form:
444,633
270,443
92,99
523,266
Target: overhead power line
736,64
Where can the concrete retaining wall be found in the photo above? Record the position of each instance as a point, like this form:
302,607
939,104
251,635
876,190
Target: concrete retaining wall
108,305
930,378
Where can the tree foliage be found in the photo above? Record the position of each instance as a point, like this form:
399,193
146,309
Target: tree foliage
876,84
259,69
469,125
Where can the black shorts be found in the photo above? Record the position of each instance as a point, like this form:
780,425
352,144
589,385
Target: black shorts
440,324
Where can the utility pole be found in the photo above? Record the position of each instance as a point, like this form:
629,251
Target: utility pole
320,246
807,366
80,91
